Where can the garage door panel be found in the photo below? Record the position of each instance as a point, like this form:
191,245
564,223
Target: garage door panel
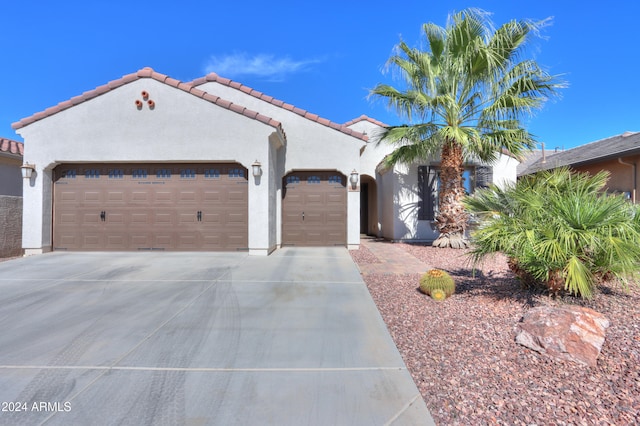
212,195
138,240
187,218
116,196
68,196
187,196
312,218
212,218
164,196
92,240
92,196
235,218
115,217
314,199
116,241
150,206
163,218
91,218
212,241
68,218
140,218
188,241
237,194
236,240
140,196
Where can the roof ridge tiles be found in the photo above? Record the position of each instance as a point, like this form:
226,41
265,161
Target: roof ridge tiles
147,72
213,77
365,118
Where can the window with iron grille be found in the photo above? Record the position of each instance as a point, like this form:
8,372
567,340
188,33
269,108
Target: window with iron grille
429,184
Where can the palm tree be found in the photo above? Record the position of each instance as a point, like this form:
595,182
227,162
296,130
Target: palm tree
464,98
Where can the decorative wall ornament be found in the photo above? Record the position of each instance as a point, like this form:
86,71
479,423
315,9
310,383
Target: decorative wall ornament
145,97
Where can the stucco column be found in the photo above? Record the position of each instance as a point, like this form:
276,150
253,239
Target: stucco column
36,237
353,216
259,217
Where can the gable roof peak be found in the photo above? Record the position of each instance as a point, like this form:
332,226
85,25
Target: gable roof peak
364,117
148,72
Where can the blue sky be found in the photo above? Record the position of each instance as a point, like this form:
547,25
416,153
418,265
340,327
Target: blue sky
320,56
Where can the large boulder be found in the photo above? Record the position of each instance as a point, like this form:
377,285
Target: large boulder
570,333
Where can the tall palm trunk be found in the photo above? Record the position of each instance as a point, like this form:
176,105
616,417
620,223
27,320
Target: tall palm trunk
451,220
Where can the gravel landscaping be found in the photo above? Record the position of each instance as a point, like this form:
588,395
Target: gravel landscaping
462,354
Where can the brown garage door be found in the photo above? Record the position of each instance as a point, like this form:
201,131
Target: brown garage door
150,207
314,209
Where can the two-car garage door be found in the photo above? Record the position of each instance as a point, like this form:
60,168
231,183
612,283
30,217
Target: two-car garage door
150,207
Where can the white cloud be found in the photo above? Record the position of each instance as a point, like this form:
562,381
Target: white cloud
265,66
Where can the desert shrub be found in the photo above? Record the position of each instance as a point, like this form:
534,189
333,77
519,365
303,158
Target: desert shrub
435,281
559,229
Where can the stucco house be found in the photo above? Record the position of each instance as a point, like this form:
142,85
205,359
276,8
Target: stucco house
147,162
10,197
619,155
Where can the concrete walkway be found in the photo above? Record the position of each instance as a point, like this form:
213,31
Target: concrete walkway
393,259
199,339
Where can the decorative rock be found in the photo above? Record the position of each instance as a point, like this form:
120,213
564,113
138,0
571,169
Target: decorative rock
571,333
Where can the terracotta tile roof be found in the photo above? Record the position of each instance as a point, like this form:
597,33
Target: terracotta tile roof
270,99
365,118
11,147
150,73
622,145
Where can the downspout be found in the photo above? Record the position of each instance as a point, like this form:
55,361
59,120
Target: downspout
635,168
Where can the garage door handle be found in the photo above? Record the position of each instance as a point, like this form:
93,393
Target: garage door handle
103,216
199,216
302,215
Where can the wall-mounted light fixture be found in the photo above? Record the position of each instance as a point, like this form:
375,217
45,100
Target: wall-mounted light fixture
256,168
354,179
27,170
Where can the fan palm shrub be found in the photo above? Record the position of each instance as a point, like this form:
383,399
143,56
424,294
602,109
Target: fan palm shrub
559,229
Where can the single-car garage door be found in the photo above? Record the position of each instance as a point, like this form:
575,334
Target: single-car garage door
150,207
314,209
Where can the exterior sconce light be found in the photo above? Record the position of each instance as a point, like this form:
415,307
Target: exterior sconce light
27,170
354,179
256,168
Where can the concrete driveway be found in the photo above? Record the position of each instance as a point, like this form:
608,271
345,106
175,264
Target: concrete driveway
197,338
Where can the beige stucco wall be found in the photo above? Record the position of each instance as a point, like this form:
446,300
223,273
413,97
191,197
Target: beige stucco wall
10,226
10,175
109,128
621,177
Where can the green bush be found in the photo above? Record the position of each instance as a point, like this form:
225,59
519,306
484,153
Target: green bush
559,229
436,279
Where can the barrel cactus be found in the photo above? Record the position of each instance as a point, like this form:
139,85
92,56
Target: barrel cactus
436,279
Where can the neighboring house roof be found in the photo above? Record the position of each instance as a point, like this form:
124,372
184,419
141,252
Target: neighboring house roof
625,144
365,118
213,77
7,146
149,73
526,160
